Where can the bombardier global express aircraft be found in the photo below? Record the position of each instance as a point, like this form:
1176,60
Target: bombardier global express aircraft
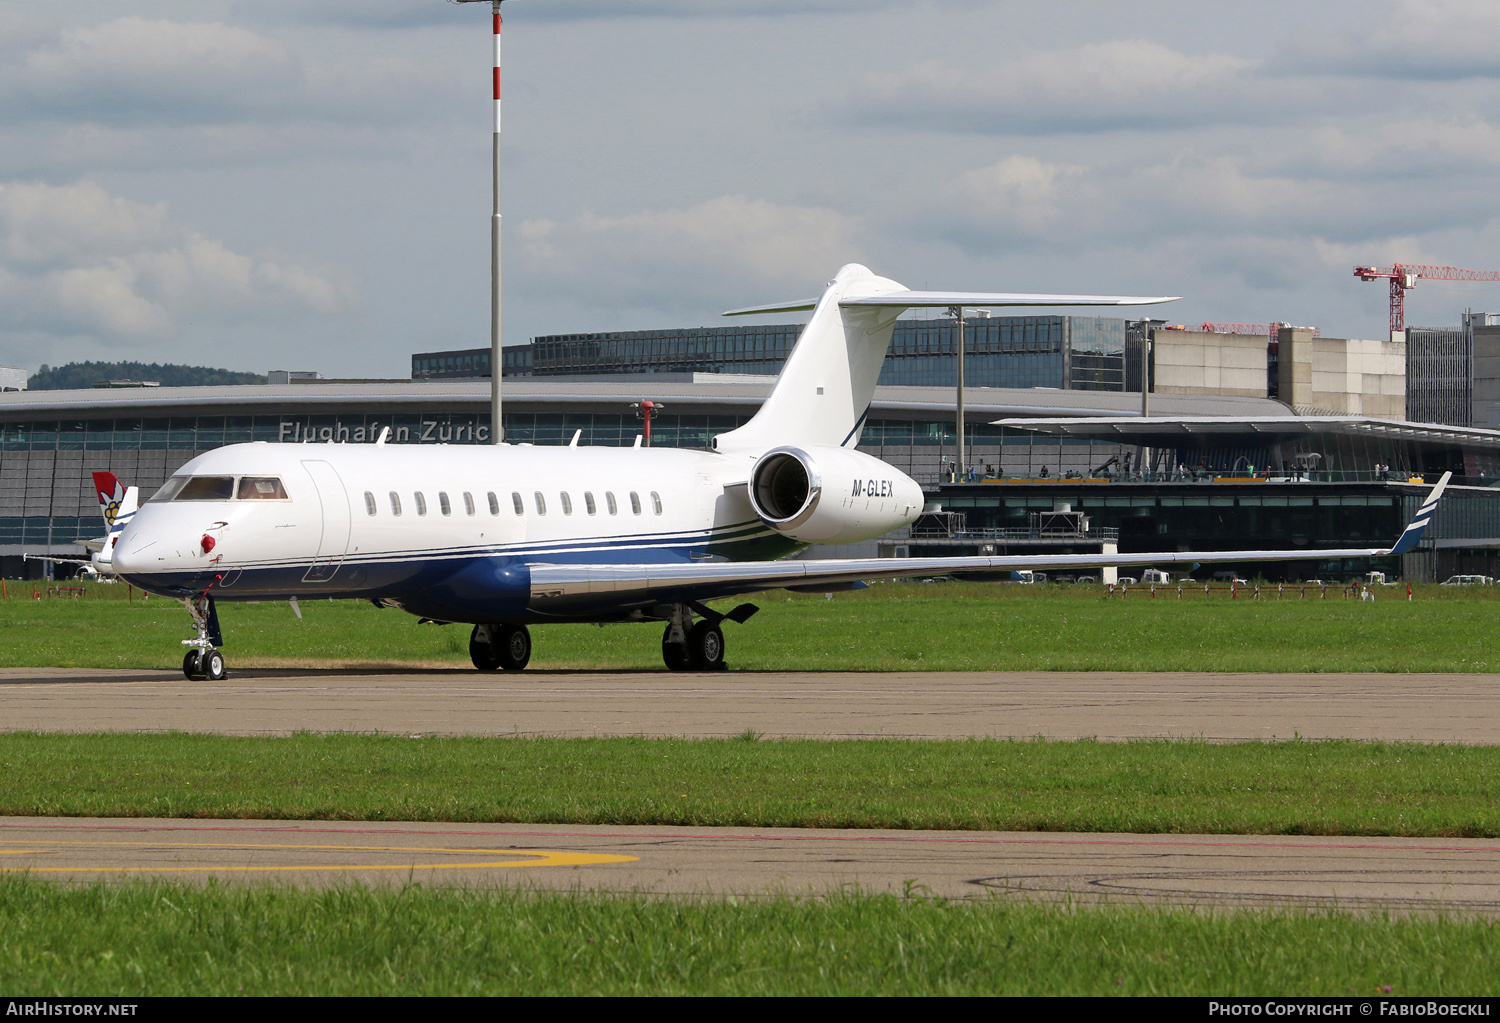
508,536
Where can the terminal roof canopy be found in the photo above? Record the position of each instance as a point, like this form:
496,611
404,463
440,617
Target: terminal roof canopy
1181,431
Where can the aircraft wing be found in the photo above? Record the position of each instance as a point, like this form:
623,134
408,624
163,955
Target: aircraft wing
559,586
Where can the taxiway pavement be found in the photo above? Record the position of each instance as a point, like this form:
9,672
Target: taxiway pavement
1401,875
931,705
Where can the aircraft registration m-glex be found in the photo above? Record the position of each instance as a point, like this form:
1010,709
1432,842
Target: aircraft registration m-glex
507,536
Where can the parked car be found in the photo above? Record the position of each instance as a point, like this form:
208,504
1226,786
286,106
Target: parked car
1467,580
1128,580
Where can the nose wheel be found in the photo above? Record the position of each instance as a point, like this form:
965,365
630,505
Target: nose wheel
203,659
208,664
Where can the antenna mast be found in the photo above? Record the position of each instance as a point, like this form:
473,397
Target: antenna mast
497,431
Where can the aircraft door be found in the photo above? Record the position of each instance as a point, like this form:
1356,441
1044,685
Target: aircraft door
334,541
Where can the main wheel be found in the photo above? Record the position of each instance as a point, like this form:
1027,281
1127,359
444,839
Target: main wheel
512,647
482,648
211,666
191,664
706,646
675,655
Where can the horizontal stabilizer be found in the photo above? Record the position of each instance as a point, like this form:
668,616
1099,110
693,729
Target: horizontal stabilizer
944,299
796,306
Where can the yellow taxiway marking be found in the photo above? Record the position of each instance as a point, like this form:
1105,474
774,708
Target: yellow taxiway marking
535,857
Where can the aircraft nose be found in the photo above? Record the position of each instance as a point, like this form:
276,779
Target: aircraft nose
134,551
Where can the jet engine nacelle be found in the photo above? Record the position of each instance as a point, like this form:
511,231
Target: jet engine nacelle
823,494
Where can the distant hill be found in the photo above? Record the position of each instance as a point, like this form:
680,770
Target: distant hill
86,374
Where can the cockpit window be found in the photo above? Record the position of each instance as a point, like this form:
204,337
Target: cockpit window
207,488
261,488
221,488
169,489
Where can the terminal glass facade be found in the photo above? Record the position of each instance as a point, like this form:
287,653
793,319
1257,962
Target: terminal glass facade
1074,352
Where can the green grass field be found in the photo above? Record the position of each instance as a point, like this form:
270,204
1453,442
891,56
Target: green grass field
176,939
899,626
148,938
1307,788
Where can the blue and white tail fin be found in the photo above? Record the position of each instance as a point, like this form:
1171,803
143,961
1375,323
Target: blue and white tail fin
1414,529
825,389
117,504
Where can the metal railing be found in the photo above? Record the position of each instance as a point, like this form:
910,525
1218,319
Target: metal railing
1273,476
1106,535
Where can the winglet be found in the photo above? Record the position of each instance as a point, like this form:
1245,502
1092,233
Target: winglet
1419,521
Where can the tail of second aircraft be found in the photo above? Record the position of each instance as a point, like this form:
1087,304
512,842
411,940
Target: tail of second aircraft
117,504
824,391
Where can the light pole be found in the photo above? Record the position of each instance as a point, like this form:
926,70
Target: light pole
958,462
497,431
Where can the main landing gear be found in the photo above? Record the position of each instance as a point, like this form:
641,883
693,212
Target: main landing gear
698,646
203,660
506,647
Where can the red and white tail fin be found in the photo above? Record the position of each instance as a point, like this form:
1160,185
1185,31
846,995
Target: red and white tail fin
117,503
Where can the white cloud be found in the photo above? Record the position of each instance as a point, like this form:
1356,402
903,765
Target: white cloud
405,14
132,69
1123,83
729,246
76,261
1416,39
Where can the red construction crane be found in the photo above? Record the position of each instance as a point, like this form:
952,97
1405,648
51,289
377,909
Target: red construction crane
1404,276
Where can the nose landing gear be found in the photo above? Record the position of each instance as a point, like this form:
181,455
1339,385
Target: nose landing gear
203,660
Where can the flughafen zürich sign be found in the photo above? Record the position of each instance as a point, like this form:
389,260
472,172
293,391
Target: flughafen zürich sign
426,431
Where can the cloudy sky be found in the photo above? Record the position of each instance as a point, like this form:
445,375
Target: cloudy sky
305,183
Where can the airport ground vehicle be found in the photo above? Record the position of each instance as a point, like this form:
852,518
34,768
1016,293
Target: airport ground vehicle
1467,580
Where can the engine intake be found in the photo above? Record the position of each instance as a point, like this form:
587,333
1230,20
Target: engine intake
831,495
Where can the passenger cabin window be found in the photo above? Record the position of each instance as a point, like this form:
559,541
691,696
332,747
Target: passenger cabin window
261,488
369,503
609,500
207,488
656,502
588,502
567,503
635,503
468,503
421,503
494,503
541,503
515,500
395,503
444,505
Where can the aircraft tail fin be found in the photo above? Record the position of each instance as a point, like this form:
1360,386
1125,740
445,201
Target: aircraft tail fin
1418,525
824,391
117,504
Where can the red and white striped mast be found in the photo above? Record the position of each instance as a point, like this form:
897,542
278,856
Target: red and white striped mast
497,432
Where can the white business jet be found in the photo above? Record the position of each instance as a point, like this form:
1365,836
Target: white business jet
507,536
